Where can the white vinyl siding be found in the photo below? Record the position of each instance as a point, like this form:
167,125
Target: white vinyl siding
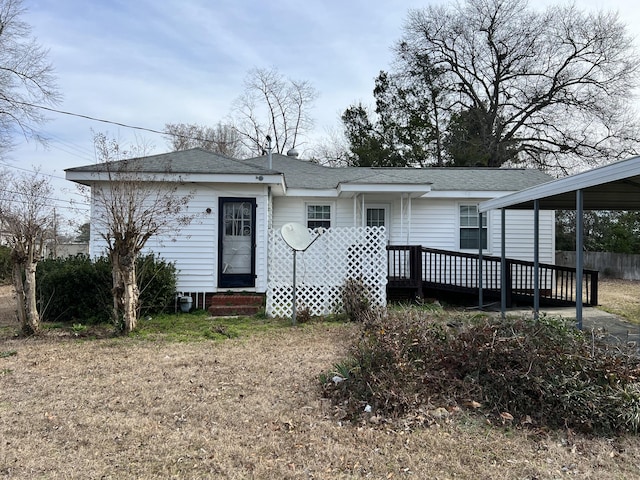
194,248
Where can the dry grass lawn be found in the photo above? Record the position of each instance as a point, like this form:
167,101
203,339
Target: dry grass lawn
621,297
245,408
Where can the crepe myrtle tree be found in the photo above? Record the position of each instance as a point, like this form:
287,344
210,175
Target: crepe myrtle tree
132,205
27,222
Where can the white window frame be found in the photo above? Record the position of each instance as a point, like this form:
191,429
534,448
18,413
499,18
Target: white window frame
460,227
332,210
378,206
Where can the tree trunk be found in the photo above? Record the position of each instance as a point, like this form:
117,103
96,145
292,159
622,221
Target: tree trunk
20,303
131,298
32,317
117,292
125,292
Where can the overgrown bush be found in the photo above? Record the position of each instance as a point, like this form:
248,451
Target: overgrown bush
74,289
157,280
77,289
355,299
541,372
5,265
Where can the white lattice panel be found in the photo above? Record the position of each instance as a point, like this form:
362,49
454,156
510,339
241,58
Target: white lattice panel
339,254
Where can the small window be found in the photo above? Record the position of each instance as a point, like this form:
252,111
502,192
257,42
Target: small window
469,228
375,217
318,216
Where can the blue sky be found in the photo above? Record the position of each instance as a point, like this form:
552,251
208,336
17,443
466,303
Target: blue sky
151,62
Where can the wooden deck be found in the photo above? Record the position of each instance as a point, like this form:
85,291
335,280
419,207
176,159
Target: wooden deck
416,272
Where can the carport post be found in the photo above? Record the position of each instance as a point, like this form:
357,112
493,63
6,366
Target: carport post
536,259
503,265
579,255
480,283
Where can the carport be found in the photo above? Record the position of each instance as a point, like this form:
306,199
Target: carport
611,187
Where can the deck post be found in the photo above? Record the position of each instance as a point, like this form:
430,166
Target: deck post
508,284
416,269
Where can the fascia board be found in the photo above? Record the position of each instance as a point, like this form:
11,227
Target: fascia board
467,194
308,192
347,188
90,177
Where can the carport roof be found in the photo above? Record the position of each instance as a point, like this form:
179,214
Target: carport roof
611,187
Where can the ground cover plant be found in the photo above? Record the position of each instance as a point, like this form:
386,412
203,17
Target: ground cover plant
540,372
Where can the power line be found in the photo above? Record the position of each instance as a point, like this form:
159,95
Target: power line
95,119
125,125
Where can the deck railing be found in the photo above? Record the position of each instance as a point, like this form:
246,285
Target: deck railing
414,266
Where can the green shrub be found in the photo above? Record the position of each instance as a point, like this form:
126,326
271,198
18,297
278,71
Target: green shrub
77,289
74,289
5,264
157,280
542,372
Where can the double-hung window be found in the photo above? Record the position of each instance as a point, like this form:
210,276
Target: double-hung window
318,216
469,227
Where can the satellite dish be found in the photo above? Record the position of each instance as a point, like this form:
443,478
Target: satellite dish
297,236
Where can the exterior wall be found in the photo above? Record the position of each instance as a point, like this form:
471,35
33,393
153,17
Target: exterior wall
519,238
195,247
434,223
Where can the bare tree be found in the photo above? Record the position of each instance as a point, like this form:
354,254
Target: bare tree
331,150
131,205
223,139
547,88
26,77
26,218
275,106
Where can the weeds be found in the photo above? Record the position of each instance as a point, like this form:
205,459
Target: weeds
541,372
355,299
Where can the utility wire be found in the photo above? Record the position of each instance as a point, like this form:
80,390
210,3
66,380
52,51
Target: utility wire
119,124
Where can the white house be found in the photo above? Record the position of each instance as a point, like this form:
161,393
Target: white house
240,203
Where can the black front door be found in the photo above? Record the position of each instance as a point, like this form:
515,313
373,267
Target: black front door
236,242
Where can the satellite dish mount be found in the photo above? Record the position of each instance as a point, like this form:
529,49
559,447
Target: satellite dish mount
298,238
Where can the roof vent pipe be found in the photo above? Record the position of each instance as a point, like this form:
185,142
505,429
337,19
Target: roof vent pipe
292,153
269,152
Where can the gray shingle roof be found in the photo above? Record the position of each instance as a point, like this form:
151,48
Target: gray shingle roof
195,160
308,175
302,174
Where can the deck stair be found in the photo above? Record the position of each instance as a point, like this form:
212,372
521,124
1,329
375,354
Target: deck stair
227,305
